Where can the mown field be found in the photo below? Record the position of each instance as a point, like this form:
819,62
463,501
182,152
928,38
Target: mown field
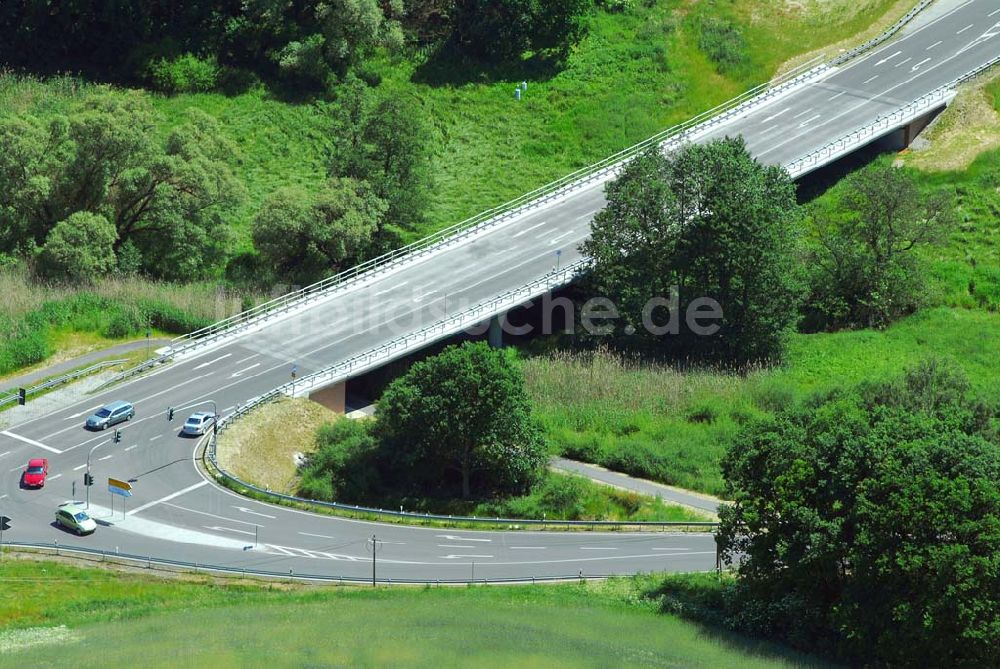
675,426
53,615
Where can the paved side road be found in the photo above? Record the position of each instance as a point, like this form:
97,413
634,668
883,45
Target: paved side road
27,380
641,486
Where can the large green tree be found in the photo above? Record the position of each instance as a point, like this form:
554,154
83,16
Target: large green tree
865,272
867,524
499,30
385,142
460,422
305,237
80,249
707,221
169,199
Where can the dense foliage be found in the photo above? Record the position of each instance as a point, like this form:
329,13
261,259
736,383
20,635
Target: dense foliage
456,425
867,524
166,198
707,221
865,271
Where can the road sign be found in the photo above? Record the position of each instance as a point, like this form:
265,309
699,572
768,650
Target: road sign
4,523
116,487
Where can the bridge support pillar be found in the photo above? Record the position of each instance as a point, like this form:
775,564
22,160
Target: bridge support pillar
333,397
495,336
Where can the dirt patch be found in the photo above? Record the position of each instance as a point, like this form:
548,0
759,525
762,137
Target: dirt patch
968,127
264,447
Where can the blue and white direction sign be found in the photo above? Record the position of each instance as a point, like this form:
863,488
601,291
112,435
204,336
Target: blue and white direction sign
116,487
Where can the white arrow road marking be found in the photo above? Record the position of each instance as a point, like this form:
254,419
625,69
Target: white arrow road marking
888,58
809,120
456,557
518,234
917,66
226,529
253,513
392,288
169,497
84,413
212,362
32,442
771,118
244,371
452,537
562,236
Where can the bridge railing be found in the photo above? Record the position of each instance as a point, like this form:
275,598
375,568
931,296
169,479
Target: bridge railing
886,123
59,380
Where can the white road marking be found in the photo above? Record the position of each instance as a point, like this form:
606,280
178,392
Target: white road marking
389,290
803,113
456,557
32,442
870,79
887,58
212,515
131,447
453,546
310,534
678,548
837,95
169,497
527,548
965,28
518,234
228,409
244,371
562,236
903,62
598,548
76,469
227,529
452,537
106,457
4,496
253,513
84,413
917,66
934,45
249,357
774,116
53,478
4,453
156,437
809,120
994,12
212,362
15,469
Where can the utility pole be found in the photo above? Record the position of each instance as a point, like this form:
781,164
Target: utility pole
374,551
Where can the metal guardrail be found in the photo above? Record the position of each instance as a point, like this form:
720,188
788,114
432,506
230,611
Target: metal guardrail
65,378
884,36
149,561
886,123
491,217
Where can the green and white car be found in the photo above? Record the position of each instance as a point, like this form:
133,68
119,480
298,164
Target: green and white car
72,517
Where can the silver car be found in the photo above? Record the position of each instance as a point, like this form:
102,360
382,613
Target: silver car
198,423
111,414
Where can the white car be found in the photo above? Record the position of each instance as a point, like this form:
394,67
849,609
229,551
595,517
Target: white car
198,423
72,517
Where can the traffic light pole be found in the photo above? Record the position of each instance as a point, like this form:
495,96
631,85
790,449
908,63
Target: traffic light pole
88,476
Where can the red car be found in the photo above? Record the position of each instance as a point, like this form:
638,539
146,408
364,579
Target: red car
34,474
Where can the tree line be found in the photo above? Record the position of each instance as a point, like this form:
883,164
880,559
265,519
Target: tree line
303,43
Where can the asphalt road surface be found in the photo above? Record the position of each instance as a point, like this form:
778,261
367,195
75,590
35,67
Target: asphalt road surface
177,514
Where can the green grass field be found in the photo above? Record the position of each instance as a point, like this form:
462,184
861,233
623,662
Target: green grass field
87,615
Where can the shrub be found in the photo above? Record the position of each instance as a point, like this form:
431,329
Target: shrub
184,74
723,43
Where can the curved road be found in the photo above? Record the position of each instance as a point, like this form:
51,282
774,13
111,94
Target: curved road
177,514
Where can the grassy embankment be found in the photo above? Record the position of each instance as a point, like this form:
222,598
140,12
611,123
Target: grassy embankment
263,449
675,426
53,614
